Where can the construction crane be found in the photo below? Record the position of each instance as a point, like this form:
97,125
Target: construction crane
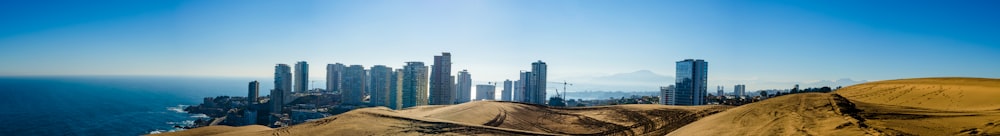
564,83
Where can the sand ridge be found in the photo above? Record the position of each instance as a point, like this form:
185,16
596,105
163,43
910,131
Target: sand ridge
494,118
923,106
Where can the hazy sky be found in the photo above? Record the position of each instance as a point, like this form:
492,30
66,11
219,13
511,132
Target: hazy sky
779,41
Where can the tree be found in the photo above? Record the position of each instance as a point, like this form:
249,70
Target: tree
825,89
796,89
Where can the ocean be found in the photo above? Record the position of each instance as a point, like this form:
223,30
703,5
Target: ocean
105,105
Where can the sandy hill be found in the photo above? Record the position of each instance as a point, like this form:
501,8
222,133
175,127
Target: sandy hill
489,118
952,94
925,106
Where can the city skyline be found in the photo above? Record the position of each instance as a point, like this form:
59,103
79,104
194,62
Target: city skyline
755,41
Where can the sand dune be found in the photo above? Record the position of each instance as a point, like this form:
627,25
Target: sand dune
952,94
926,106
492,118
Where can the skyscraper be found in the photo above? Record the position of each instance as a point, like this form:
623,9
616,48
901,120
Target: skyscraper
691,83
537,83
719,91
522,90
440,82
282,87
275,101
253,92
486,92
454,88
464,87
666,95
380,83
334,77
414,84
395,89
353,85
740,90
506,92
301,77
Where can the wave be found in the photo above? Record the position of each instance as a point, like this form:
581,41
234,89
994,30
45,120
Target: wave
199,116
179,108
166,131
186,122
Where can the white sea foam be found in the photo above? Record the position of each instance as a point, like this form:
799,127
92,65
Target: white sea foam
199,116
178,109
158,131
186,122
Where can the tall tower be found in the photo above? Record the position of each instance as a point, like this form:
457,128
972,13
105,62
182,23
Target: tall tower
282,87
301,77
395,89
666,95
334,77
353,85
380,83
464,85
253,92
537,81
522,90
692,82
740,90
485,92
505,94
414,84
720,90
440,82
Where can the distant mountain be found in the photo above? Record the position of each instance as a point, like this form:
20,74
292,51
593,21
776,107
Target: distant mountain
647,81
641,80
840,82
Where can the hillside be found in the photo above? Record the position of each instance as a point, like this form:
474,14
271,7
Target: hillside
925,106
490,118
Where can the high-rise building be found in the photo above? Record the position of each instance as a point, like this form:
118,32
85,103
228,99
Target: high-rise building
353,85
505,94
415,85
740,90
274,102
250,117
454,88
380,84
440,85
282,87
692,82
301,77
666,95
720,91
486,92
253,92
368,84
522,90
537,83
334,77
395,89
464,85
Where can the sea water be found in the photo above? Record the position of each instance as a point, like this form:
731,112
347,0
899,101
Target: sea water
105,105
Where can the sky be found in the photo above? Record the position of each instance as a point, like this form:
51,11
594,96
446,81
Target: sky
744,41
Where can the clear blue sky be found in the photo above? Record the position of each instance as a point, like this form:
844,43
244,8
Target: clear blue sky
741,40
